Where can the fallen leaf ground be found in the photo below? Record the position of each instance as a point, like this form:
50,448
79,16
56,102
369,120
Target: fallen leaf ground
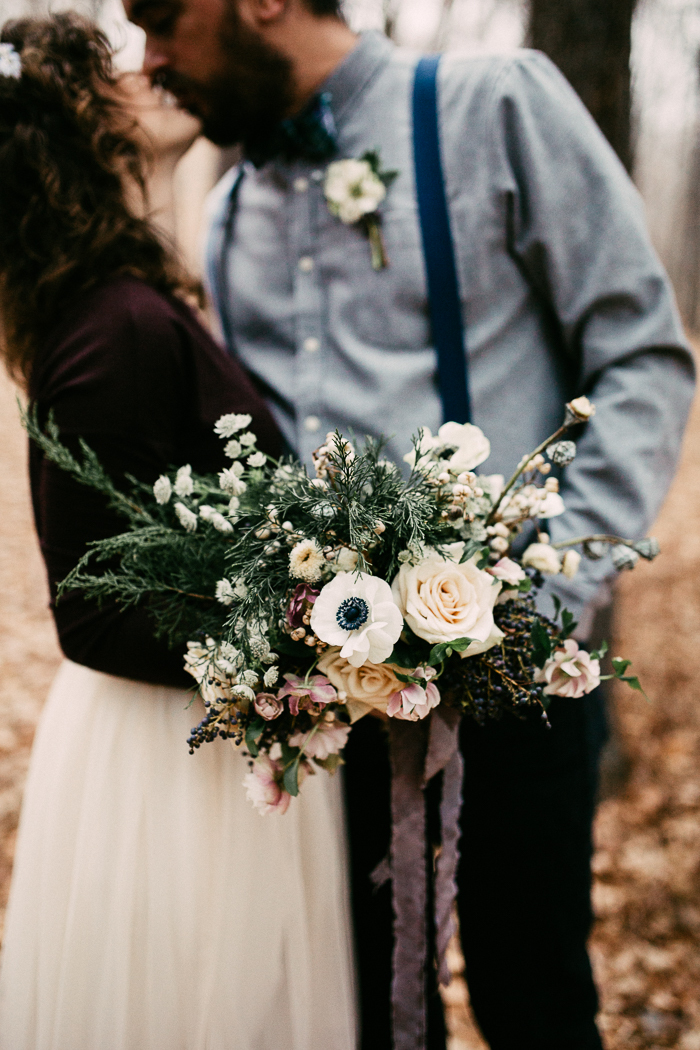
646,943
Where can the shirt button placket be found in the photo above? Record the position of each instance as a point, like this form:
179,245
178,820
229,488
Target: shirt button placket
307,316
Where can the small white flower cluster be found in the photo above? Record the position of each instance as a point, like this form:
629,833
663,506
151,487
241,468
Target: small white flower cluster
215,518
227,426
227,592
10,62
334,446
215,668
353,190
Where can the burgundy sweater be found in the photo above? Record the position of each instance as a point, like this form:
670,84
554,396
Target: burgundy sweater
136,375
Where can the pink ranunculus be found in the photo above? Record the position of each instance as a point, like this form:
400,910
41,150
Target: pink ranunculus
570,671
268,706
307,696
328,737
507,570
300,603
415,701
264,789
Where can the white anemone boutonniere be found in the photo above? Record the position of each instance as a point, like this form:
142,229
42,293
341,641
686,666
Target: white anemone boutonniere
354,189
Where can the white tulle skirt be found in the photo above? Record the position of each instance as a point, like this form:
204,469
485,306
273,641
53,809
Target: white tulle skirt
152,908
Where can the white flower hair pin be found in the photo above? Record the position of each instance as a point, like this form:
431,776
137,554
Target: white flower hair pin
354,189
10,62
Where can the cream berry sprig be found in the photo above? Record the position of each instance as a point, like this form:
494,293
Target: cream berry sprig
354,189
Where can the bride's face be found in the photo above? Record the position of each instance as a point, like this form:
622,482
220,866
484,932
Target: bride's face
167,130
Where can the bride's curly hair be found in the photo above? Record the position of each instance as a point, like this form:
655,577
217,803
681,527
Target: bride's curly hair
64,221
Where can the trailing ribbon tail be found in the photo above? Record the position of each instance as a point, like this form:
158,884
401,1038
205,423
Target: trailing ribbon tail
418,752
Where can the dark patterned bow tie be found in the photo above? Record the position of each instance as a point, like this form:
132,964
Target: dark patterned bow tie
311,135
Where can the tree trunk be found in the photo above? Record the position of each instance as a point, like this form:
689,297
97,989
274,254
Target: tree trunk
590,42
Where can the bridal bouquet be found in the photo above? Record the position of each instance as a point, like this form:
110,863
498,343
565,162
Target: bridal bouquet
304,603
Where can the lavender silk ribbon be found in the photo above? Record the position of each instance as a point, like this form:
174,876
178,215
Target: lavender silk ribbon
418,751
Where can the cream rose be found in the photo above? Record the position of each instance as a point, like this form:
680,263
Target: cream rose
361,689
442,600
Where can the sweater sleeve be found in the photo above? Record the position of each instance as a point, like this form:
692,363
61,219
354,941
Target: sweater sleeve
120,381
578,232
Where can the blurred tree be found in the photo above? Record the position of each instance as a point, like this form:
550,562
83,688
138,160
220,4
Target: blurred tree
590,41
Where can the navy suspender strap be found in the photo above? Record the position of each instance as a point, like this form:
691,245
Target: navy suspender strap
438,247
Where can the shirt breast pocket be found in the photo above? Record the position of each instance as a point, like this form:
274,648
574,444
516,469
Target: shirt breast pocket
387,308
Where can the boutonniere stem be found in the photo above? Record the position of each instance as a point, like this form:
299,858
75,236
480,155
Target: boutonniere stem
354,189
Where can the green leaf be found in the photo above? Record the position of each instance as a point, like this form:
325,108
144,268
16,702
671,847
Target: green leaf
557,606
568,623
525,586
620,665
634,683
409,678
290,779
598,654
439,653
541,644
252,735
474,547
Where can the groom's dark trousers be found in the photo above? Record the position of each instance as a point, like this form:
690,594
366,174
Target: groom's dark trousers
524,879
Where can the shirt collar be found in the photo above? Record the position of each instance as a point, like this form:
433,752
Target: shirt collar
349,80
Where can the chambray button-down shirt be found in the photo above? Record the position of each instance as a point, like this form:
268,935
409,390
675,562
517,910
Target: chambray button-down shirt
561,291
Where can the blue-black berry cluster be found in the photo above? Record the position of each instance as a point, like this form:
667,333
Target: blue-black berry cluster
501,679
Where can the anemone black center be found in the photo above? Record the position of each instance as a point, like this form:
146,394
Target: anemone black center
352,613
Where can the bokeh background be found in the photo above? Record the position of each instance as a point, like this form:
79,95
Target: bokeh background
637,68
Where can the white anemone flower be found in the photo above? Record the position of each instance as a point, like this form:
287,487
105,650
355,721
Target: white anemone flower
467,446
353,190
358,613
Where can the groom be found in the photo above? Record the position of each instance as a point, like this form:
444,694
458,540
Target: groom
561,294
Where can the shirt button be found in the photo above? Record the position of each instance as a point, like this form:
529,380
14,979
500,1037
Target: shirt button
312,424
306,264
312,344
301,185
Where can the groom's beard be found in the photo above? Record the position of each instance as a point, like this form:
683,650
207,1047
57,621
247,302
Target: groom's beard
245,102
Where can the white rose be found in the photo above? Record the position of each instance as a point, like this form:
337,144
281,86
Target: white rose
361,689
442,600
542,557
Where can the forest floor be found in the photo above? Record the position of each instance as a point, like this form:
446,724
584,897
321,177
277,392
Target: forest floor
646,943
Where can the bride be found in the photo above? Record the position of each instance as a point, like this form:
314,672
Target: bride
152,908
